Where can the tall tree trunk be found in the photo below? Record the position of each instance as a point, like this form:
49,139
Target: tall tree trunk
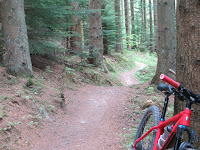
188,55
96,36
123,17
82,34
132,17
127,16
142,22
166,40
76,44
151,32
155,24
145,20
16,55
105,27
119,42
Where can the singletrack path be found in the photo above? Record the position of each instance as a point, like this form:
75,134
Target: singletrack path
128,77
93,121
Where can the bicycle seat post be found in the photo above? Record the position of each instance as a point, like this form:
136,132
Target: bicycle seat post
165,107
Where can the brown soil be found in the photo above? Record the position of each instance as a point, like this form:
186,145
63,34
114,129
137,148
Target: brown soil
92,122
128,77
93,118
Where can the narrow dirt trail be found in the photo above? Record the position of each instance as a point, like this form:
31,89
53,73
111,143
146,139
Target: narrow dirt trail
94,120
128,77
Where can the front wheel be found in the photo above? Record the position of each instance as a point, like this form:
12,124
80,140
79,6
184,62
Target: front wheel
186,146
150,119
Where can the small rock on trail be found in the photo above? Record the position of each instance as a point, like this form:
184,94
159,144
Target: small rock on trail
93,121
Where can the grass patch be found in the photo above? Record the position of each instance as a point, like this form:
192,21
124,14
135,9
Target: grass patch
118,63
148,72
109,76
150,59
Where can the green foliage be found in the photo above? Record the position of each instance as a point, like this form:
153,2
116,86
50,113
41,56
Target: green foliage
29,82
3,112
47,22
119,63
108,23
146,74
150,60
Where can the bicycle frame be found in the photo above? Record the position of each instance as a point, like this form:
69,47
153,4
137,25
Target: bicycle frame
181,120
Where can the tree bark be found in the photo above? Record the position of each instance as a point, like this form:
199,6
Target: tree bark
16,55
155,24
151,31
145,20
166,40
127,17
105,27
119,42
142,22
132,17
76,39
96,36
188,55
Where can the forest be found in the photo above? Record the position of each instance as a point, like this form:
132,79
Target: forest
57,46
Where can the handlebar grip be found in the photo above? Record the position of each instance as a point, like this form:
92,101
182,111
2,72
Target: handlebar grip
169,81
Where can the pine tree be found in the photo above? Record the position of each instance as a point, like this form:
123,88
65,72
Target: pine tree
166,40
142,22
16,55
155,24
127,17
132,17
48,24
145,20
119,42
76,43
105,27
151,31
188,60
96,35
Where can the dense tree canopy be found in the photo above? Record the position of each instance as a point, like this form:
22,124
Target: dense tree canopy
51,26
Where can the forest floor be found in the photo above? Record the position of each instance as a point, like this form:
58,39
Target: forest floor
48,113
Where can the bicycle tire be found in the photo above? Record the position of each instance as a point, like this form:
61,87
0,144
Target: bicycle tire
186,146
154,113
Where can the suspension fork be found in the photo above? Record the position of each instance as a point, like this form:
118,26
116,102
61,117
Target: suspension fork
184,126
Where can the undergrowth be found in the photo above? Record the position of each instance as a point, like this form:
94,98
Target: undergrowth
113,65
147,73
118,63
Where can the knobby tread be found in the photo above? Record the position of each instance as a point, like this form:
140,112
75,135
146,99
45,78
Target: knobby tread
152,110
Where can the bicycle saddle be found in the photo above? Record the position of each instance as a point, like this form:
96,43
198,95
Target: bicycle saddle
166,88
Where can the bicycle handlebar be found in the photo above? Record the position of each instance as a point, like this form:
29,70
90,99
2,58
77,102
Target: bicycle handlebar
169,80
187,93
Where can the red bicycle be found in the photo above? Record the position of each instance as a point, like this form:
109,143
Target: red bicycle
161,134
